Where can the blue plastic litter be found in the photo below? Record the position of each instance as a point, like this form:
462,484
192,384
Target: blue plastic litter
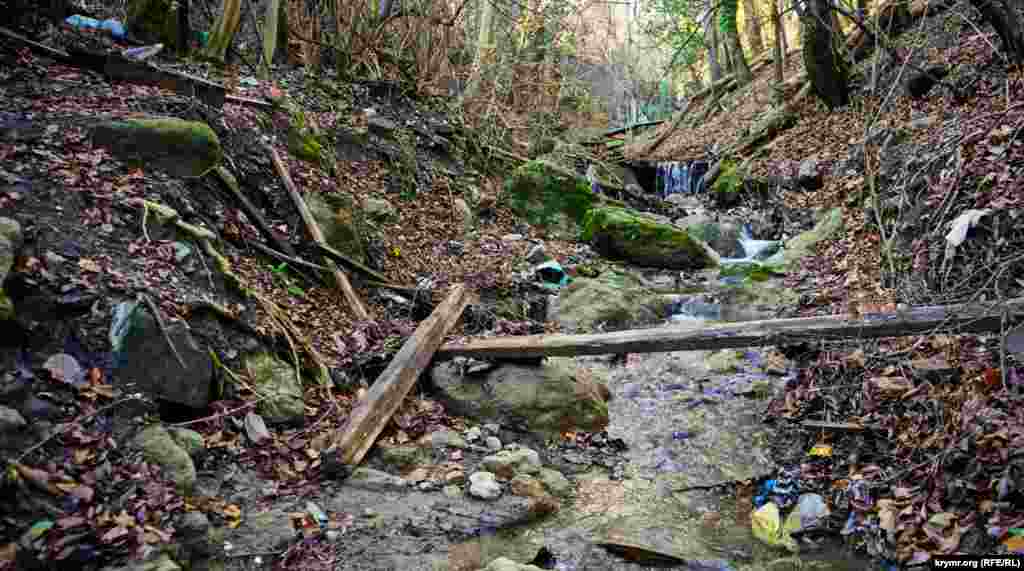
113,27
551,273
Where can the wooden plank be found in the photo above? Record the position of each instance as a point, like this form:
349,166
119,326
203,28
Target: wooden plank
372,414
963,318
318,236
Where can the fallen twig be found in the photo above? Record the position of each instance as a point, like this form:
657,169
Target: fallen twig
163,327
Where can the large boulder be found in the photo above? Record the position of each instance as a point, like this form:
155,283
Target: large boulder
182,148
724,237
10,241
547,195
613,300
276,382
625,234
557,396
335,214
145,361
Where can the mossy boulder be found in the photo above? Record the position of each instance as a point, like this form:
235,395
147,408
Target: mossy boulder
154,21
723,237
181,148
10,241
728,187
159,447
335,213
548,196
279,389
626,234
803,244
614,300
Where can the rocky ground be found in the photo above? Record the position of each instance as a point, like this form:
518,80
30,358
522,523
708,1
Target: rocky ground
168,388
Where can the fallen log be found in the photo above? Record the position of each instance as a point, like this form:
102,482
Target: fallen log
327,251
961,318
318,236
374,411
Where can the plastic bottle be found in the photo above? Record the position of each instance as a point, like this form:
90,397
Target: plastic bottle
143,52
113,27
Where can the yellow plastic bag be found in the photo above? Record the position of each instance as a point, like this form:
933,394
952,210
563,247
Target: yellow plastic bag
767,525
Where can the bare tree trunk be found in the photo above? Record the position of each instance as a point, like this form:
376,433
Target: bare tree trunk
826,68
224,29
753,27
711,42
484,46
777,50
731,31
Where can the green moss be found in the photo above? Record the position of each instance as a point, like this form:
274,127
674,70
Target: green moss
624,233
183,148
154,20
728,185
755,271
542,195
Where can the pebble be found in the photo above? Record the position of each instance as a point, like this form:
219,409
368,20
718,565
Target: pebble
493,428
493,443
484,485
473,434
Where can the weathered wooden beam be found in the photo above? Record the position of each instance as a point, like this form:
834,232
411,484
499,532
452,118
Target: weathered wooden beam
374,411
963,318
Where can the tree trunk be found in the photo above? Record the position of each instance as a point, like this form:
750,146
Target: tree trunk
224,29
732,38
711,43
484,46
753,25
271,33
1003,16
777,50
824,64
184,28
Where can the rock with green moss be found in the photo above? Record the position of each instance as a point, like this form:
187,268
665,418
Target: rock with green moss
182,148
727,189
279,389
613,300
10,242
154,21
804,244
548,196
158,447
626,234
335,214
546,399
723,236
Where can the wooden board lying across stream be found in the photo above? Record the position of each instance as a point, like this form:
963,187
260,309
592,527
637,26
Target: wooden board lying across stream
962,318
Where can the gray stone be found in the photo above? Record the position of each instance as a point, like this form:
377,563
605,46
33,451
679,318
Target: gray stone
334,214
10,420
452,491
447,438
510,463
473,434
808,176
613,300
379,209
492,428
375,480
723,236
193,531
484,485
554,482
537,254
622,233
557,395
511,237
492,443
255,429
380,126
145,361
159,448
182,148
64,368
275,381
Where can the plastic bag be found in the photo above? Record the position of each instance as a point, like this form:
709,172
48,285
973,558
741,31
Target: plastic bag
767,525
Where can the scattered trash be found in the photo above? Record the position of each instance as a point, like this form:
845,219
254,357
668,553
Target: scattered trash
552,274
143,52
79,22
316,514
959,228
823,450
249,81
812,509
766,523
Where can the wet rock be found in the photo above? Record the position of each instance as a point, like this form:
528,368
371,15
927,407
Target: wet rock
379,209
554,482
613,300
625,234
509,463
261,531
505,564
808,175
555,396
145,362
375,480
492,443
723,236
483,485
10,242
447,438
401,456
182,148
158,447
276,382
10,420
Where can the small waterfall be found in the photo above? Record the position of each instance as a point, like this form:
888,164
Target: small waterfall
756,249
680,177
